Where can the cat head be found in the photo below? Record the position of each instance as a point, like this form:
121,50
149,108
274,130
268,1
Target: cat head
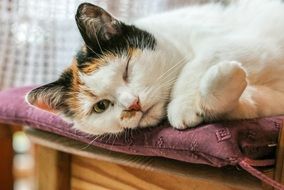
113,83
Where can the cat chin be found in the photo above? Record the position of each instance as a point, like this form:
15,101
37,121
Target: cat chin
148,121
151,117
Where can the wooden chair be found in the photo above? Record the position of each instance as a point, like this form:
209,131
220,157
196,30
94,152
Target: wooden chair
63,164
6,157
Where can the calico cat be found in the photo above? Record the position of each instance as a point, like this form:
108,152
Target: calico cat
200,63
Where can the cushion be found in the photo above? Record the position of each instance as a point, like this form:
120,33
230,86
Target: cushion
215,144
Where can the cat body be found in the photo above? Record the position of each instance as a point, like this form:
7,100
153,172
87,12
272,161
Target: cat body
196,64
242,44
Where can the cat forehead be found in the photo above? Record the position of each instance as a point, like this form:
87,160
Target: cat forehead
91,65
103,78
104,75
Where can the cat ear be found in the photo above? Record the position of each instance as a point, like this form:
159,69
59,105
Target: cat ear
95,24
49,97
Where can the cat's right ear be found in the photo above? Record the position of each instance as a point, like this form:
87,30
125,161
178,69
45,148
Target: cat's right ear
49,97
96,25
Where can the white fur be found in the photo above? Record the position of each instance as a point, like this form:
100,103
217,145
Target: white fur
209,62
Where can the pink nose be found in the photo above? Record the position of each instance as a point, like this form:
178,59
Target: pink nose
135,106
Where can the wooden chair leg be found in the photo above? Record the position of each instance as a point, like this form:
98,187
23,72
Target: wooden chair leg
6,157
279,168
52,169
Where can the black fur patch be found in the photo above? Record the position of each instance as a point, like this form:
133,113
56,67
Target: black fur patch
131,37
66,80
54,94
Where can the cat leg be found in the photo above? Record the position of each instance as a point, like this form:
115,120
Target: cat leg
221,87
207,95
258,101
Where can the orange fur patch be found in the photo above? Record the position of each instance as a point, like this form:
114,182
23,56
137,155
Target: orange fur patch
127,114
75,73
132,52
75,102
96,63
78,89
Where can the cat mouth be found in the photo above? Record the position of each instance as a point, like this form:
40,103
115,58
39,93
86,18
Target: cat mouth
142,118
147,118
147,111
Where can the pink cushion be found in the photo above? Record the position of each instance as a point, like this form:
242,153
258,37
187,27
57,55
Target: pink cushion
217,144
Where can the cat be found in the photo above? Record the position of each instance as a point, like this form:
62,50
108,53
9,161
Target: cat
196,64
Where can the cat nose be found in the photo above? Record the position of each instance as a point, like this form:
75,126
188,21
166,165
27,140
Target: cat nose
135,105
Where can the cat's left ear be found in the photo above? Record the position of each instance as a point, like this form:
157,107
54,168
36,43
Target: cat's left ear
96,25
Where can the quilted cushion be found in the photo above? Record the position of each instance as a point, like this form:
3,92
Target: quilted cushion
216,144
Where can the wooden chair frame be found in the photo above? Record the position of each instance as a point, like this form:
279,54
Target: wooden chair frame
56,160
6,157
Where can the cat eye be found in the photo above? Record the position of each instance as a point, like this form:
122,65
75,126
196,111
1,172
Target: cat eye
101,106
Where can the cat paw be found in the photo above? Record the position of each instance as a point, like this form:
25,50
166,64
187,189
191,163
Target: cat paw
222,85
224,76
231,68
182,116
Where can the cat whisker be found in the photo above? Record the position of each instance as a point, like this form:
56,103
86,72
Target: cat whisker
168,83
109,137
92,141
114,136
97,39
172,69
89,46
148,90
165,86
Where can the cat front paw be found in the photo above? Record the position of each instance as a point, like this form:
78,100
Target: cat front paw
182,115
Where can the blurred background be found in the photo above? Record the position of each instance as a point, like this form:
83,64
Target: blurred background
38,39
